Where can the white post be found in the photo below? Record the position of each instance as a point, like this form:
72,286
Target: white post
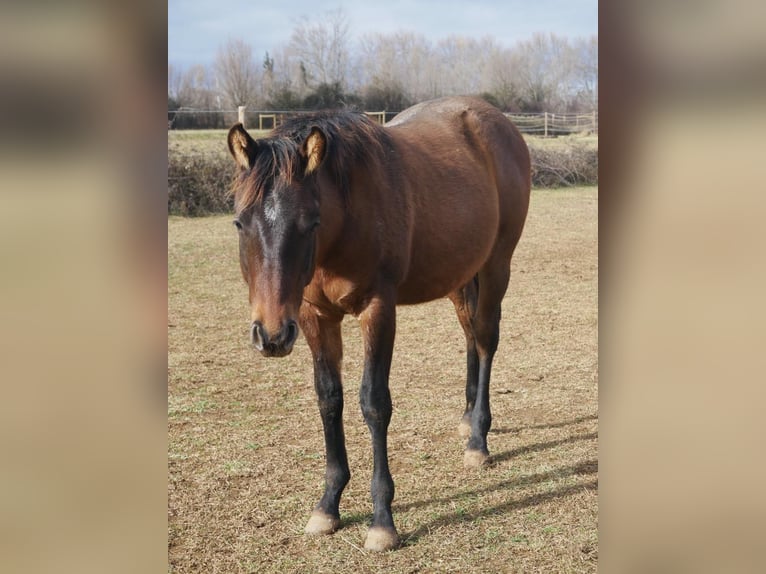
546,124
241,115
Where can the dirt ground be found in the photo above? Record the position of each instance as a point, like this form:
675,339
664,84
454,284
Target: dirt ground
245,453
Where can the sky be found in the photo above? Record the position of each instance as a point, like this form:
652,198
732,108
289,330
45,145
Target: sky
197,28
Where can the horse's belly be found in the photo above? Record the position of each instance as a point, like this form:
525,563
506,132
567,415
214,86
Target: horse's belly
442,263
412,293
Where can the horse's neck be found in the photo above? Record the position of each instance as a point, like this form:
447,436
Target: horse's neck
333,219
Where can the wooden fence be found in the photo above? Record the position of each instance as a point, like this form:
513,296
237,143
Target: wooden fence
549,123
543,123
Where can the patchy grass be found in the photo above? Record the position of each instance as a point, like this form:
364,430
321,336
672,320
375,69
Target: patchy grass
202,143
245,443
589,141
211,143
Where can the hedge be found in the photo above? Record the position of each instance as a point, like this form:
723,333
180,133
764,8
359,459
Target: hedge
573,164
200,185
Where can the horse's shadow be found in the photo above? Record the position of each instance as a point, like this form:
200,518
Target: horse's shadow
528,501
513,453
582,468
511,430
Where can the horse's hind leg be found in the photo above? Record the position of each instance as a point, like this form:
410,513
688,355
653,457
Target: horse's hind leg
464,300
493,282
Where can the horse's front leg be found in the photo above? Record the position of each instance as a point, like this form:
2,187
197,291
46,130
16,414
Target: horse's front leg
378,322
324,340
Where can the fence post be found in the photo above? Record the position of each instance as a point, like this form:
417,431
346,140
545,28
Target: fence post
595,131
546,124
241,115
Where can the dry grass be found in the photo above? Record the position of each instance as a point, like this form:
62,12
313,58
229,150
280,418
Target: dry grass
245,443
587,140
212,143
202,143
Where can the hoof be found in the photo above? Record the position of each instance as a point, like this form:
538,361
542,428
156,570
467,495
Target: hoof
464,429
380,539
321,523
475,459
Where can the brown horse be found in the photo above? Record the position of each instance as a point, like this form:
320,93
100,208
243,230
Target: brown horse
338,215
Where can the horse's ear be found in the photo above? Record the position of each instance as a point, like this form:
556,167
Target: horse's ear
313,149
242,147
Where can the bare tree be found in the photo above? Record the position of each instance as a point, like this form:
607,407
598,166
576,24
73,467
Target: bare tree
585,79
193,88
267,83
545,73
286,80
237,73
503,79
545,67
174,81
401,61
321,46
463,63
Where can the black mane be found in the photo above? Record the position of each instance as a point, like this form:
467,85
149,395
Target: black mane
352,139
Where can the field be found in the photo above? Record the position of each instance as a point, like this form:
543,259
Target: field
245,444
213,142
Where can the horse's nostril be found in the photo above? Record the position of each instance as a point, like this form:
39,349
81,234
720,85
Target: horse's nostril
257,336
279,343
292,333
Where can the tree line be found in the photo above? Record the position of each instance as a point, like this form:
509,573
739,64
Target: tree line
323,66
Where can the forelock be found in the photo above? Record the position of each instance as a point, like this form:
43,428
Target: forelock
276,163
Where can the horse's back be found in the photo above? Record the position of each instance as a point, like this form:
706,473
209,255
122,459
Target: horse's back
470,136
467,177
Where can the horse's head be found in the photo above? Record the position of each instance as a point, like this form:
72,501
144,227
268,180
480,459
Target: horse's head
277,216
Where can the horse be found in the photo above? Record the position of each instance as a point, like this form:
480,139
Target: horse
338,215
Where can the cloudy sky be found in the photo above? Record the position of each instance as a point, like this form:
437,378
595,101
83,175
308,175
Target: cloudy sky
196,28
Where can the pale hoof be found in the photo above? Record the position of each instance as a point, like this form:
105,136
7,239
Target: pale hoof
475,459
464,429
321,523
380,539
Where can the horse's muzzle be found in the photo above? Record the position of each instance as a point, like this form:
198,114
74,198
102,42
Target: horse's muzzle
277,344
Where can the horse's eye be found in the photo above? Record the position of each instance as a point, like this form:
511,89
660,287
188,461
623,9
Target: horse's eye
308,226
238,224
